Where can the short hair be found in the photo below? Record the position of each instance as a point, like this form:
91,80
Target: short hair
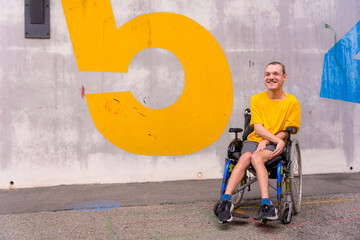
277,63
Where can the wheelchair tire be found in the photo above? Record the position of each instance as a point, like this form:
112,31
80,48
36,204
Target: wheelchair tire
236,198
284,216
295,176
216,206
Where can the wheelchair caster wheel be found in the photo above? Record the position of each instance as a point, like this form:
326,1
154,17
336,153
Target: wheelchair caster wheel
285,215
215,210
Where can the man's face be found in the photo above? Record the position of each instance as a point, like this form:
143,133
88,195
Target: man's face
274,77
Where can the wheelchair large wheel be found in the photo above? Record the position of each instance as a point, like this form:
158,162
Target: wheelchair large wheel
295,176
237,197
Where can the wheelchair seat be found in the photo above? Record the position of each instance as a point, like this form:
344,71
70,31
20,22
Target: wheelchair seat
270,165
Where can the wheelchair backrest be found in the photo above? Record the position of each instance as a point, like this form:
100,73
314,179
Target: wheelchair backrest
247,128
235,145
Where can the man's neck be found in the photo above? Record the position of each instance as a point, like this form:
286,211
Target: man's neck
277,95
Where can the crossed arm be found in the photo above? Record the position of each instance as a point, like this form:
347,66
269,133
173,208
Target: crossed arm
277,139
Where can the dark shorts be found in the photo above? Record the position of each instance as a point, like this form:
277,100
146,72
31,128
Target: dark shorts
250,146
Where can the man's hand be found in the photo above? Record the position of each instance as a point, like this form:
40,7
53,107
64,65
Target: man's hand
262,144
279,149
277,139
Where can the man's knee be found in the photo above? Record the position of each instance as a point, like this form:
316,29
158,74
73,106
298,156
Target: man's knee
256,160
245,159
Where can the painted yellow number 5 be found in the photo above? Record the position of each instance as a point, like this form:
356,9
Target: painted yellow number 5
196,120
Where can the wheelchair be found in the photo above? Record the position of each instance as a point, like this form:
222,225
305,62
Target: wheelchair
285,168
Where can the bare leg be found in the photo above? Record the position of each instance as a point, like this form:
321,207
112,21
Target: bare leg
258,160
238,172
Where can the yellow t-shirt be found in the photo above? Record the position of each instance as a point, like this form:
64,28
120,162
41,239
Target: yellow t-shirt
275,116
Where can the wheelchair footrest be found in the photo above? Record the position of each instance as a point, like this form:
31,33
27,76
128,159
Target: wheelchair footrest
264,220
239,215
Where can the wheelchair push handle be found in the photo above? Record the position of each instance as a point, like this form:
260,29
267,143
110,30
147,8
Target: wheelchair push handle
236,131
291,130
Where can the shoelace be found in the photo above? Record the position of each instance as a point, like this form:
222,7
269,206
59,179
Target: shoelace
222,206
265,207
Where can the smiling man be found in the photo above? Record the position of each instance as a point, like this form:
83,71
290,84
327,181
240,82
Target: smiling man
272,112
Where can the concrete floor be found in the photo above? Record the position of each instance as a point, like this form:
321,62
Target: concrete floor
174,210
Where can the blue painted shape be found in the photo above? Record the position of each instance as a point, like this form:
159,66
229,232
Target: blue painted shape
93,205
341,71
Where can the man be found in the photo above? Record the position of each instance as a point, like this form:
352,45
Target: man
272,112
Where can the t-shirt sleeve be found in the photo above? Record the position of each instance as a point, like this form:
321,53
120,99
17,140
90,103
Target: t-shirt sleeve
255,111
294,117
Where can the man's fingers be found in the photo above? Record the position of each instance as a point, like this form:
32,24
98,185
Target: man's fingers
275,153
259,150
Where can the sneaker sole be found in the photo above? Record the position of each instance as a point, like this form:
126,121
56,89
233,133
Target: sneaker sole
271,218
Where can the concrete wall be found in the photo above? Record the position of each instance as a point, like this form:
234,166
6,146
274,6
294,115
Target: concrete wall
48,135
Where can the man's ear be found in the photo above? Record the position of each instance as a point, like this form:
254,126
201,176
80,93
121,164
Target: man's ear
285,77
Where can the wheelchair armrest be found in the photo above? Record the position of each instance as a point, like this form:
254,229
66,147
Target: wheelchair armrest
235,130
291,130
